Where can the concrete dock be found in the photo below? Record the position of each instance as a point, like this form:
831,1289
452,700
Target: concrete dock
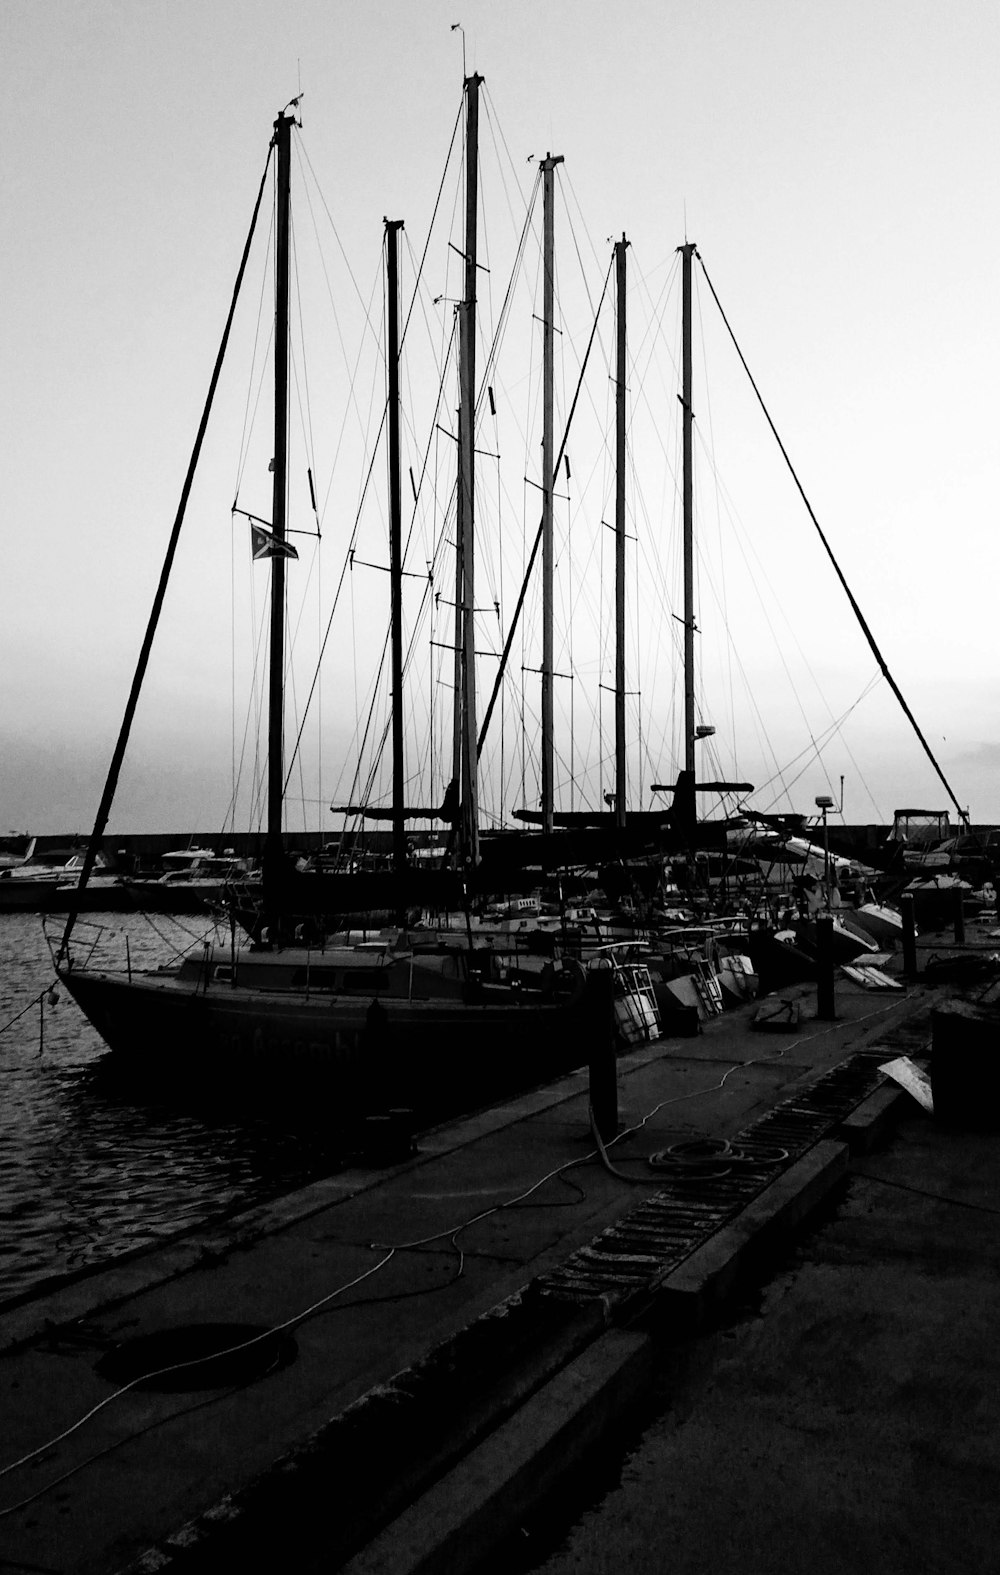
842,1417
428,1302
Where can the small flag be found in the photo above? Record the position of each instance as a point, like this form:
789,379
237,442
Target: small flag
265,545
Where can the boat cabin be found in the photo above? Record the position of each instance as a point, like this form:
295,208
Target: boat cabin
365,971
201,864
919,826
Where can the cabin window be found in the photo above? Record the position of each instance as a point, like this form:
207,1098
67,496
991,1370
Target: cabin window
365,982
316,978
224,974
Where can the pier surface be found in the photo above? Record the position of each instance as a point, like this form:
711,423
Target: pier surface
845,1417
447,1297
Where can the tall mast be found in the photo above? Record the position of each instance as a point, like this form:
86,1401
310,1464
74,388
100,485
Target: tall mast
548,165
687,251
275,725
457,733
392,228
466,587
619,545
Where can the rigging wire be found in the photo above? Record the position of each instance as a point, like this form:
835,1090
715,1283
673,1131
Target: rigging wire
426,601
829,552
346,564
302,393
814,748
705,440
724,608
538,537
257,357
111,783
307,163
747,550
663,634
503,322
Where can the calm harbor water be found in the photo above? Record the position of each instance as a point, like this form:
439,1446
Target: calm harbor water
89,1168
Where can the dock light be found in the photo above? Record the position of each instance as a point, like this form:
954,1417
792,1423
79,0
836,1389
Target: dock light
824,803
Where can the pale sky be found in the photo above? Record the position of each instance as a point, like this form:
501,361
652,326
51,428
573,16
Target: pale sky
834,160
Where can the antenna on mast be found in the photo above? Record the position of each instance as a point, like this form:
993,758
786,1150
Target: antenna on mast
456,27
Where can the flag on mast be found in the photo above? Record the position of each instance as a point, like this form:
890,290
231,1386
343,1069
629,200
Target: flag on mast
264,544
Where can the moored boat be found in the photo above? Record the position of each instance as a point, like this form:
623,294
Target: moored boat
40,888
193,881
848,939
882,922
360,1026
363,1024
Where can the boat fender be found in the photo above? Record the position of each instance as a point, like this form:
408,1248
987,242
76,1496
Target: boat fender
564,981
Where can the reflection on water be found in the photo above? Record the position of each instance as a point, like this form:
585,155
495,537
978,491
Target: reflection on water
89,1167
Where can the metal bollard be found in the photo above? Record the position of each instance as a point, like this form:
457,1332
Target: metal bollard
602,1060
909,936
959,917
825,1006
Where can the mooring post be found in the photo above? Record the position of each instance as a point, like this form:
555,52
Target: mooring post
603,1064
825,1006
909,936
959,916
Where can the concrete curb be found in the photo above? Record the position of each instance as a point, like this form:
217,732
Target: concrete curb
462,1518
387,1449
870,1124
690,1293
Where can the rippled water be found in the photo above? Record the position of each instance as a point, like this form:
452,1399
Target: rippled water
88,1168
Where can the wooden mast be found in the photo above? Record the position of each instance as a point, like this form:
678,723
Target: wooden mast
276,674
466,581
392,228
687,251
620,461
547,166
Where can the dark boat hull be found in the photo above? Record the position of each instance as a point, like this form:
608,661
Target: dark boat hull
156,896
847,947
344,1057
778,962
58,895
27,896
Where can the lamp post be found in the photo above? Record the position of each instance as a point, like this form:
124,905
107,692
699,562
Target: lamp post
824,803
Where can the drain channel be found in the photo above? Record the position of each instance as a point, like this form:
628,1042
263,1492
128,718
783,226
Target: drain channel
667,1227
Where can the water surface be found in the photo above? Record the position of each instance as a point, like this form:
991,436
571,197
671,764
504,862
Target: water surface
90,1168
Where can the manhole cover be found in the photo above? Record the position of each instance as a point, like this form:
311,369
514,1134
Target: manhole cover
198,1356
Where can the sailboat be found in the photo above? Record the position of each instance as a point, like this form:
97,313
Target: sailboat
382,1022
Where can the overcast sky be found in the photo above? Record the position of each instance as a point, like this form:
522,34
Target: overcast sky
835,161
